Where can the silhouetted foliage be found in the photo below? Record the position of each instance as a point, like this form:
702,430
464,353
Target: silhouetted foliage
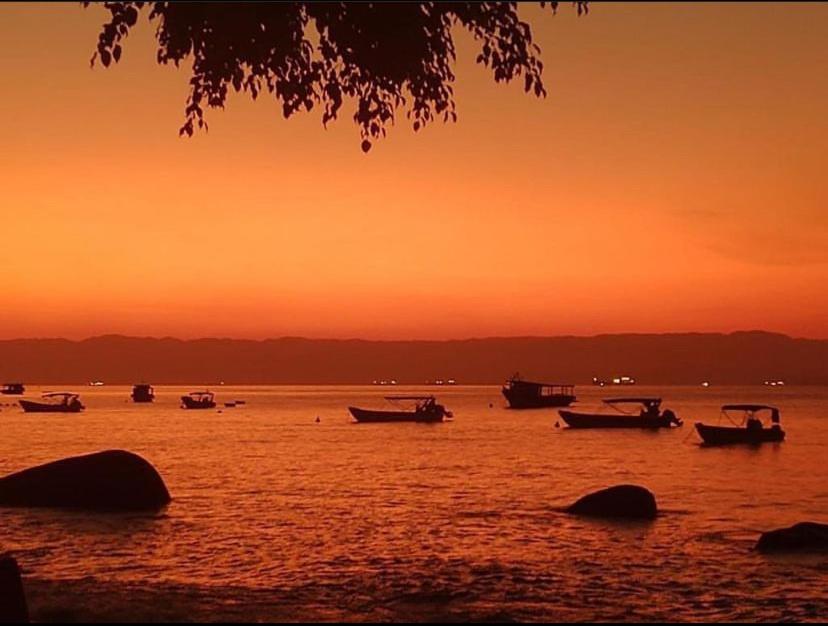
384,55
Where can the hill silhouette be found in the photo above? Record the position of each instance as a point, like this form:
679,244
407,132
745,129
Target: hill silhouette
679,358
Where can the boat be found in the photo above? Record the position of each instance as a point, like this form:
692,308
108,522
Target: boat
524,394
649,416
55,402
751,430
198,400
425,409
13,389
96,383
143,393
623,380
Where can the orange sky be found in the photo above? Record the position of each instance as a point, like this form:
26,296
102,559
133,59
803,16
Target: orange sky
674,179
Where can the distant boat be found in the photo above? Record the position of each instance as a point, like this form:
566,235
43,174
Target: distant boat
13,389
55,402
623,380
523,394
751,430
649,416
775,383
198,400
143,393
425,409
96,383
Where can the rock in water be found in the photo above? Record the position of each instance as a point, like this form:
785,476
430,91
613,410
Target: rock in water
113,480
799,537
13,609
621,501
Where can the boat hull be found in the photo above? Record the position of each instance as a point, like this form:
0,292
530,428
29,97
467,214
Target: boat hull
599,420
188,403
522,401
29,406
729,435
366,416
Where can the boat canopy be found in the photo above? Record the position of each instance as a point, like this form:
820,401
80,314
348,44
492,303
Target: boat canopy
748,407
644,401
60,394
199,394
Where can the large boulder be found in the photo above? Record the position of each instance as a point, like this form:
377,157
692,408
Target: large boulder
13,608
621,501
803,536
113,480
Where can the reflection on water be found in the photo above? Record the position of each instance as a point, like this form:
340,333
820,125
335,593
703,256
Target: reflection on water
453,520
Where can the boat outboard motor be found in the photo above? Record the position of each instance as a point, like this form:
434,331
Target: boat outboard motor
671,417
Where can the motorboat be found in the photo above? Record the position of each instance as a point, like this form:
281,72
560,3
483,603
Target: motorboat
198,400
649,415
409,409
142,393
54,402
750,429
13,389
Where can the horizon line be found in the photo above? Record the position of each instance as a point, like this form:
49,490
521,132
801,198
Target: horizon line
413,340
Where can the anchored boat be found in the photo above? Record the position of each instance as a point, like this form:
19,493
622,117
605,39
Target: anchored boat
198,400
649,416
13,389
420,409
55,402
751,430
143,393
523,394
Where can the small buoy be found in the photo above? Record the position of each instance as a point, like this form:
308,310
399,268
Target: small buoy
491,406
317,419
557,424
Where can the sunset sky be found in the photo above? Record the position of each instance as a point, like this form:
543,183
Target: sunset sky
674,179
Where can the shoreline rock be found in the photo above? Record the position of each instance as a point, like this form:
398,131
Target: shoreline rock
13,607
620,501
112,480
801,537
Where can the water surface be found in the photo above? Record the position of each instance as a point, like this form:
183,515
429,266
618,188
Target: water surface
456,521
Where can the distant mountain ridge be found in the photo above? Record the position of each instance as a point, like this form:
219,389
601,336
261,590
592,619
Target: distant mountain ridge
745,357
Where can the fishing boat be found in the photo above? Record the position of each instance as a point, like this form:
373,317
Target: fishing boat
142,393
419,409
524,394
750,430
13,389
649,415
198,400
54,402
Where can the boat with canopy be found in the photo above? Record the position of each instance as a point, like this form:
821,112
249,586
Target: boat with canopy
198,400
649,415
424,409
54,402
524,394
750,429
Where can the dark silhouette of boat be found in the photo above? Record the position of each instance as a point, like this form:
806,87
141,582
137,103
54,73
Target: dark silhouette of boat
649,416
198,400
425,409
142,393
750,431
523,394
13,389
55,402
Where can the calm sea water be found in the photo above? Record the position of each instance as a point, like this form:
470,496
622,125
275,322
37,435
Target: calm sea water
459,520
